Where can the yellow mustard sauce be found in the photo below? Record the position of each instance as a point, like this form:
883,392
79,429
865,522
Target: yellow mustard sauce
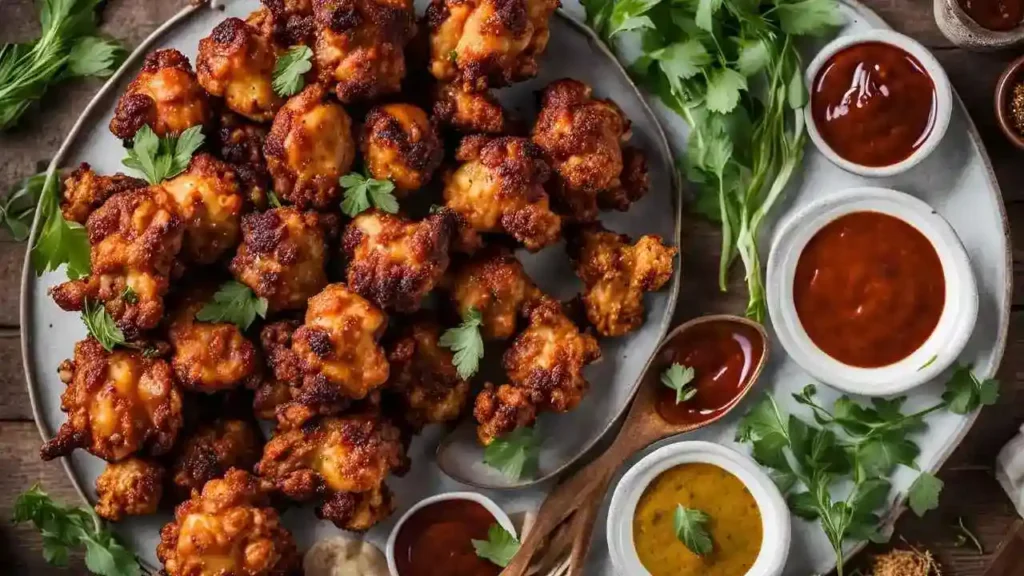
735,524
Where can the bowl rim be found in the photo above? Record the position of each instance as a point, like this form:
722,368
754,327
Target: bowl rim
943,99
490,505
775,516
939,350
1013,71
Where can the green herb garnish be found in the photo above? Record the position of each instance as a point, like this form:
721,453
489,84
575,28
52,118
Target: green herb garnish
515,454
500,546
361,192
466,342
161,158
59,241
129,295
19,206
101,325
233,302
290,70
678,378
690,527
924,493
273,200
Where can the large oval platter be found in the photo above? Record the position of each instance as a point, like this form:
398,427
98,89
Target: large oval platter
49,333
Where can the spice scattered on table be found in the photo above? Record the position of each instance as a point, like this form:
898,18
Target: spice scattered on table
912,562
1017,108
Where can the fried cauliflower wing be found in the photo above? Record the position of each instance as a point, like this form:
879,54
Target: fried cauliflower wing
212,450
135,237
359,50
210,203
342,459
487,43
236,63
493,283
500,188
240,143
131,487
283,255
616,274
118,403
165,95
229,528
583,138
85,191
499,410
395,262
310,146
291,20
399,143
285,371
423,380
469,112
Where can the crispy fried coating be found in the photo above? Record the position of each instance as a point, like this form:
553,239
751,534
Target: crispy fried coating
131,487
118,403
165,95
423,379
359,50
493,283
487,43
85,191
292,20
240,143
135,237
469,112
229,528
210,203
399,143
500,188
583,137
213,449
236,63
309,147
344,459
616,275
500,410
395,262
283,254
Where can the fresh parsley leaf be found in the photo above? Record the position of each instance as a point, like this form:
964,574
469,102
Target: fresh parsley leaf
690,526
682,60
706,10
753,56
598,14
273,200
19,206
924,493
629,15
678,377
290,69
724,85
161,158
94,56
59,241
129,295
233,302
965,393
362,192
466,342
809,17
515,454
500,546
101,326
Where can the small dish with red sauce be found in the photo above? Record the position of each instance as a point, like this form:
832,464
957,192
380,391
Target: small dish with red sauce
878,102
871,291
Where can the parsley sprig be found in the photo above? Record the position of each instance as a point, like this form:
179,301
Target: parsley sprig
690,527
500,546
19,205
466,342
290,70
59,241
101,325
678,377
361,192
852,445
233,302
64,529
515,454
161,158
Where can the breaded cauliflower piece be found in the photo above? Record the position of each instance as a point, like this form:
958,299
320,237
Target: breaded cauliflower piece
400,144
212,450
499,410
210,204
240,143
118,403
85,191
236,63
131,487
493,283
291,20
423,379
469,112
165,95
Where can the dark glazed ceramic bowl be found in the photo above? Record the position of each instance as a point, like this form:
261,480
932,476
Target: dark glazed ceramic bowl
1013,74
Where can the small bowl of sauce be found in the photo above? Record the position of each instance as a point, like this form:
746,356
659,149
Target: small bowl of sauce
435,537
879,102
871,291
744,515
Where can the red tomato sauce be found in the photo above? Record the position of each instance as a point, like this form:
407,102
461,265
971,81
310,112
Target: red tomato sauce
723,355
436,540
869,289
997,15
873,104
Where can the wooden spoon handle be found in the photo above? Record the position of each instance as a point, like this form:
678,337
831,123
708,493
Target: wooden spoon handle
583,528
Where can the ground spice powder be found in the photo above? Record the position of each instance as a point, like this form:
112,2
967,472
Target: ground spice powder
1017,108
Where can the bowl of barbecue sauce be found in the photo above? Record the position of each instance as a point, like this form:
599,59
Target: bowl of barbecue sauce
879,102
871,291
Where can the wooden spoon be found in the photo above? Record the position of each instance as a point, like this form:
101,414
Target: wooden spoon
643,426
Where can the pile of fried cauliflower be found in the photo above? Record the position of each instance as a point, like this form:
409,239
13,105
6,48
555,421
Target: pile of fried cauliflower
347,363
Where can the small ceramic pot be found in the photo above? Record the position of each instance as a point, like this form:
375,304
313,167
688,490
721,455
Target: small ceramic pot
943,99
1013,74
775,519
947,340
963,31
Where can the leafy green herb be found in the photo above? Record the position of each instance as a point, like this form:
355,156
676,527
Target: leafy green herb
101,326
161,158
64,529
514,454
732,71
361,192
929,362
150,352
964,536
19,206
924,493
500,546
965,393
678,378
689,525
466,342
290,70
273,200
129,295
453,56
68,47
59,241
233,302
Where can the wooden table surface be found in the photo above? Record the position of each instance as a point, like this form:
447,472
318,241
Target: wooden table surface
971,491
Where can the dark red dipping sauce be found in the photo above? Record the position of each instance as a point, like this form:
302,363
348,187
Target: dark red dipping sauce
873,104
997,15
723,355
869,289
436,540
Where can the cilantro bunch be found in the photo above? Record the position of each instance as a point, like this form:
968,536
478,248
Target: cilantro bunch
731,70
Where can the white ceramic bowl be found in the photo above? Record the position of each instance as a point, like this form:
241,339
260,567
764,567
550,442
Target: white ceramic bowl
943,99
499,516
775,519
955,325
